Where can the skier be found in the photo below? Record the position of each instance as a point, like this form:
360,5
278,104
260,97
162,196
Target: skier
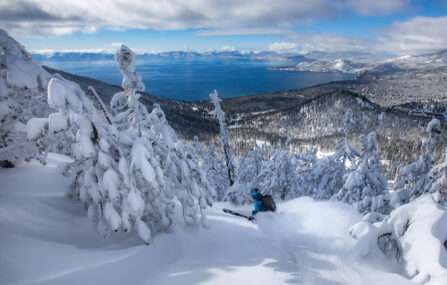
263,203
259,206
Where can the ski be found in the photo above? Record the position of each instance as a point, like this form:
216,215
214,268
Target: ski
236,214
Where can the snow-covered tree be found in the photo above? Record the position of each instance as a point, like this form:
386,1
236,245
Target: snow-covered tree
129,174
365,182
251,167
23,82
414,178
344,150
278,177
197,151
226,140
439,176
305,164
329,173
249,170
326,177
216,172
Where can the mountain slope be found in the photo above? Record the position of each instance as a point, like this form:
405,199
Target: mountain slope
48,239
319,122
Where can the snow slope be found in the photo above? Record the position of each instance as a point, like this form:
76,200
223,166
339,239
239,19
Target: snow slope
46,238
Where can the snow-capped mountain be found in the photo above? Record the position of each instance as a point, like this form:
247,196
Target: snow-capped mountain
109,55
365,63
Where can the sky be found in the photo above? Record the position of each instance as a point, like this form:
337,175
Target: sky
379,26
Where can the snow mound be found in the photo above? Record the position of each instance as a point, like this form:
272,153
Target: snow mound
415,234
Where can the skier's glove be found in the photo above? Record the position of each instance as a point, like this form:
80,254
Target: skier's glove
251,218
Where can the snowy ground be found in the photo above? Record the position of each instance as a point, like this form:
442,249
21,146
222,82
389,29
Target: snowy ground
47,238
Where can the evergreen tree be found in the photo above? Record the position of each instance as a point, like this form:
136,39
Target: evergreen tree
130,173
414,178
326,178
278,177
23,82
305,164
216,172
329,173
226,140
248,177
364,182
439,176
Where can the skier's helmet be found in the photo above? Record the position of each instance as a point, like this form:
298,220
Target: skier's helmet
254,192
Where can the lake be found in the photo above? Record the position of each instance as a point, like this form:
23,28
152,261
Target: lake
192,79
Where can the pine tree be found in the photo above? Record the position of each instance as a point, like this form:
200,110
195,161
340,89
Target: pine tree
216,172
251,167
248,178
23,82
414,178
226,140
278,176
344,150
364,182
327,176
329,173
130,173
305,164
439,177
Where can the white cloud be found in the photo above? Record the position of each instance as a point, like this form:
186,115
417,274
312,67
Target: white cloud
230,17
242,31
418,34
283,47
114,45
328,42
60,17
227,48
52,51
371,7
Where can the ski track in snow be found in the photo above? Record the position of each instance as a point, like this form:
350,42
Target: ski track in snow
46,238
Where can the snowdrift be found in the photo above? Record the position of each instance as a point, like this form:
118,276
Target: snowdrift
415,234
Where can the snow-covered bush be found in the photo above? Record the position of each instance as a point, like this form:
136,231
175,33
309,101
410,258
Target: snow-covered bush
415,234
23,82
129,174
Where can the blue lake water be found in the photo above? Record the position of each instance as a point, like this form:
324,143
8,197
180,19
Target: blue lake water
193,79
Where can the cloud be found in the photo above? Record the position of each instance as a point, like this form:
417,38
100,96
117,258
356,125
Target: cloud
283,47
114,45
242,31
59,17
372,7
418,34
227,48
329,42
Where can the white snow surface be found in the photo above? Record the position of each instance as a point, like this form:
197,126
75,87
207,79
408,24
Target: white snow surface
47,238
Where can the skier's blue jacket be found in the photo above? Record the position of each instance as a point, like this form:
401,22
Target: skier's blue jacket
259,207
